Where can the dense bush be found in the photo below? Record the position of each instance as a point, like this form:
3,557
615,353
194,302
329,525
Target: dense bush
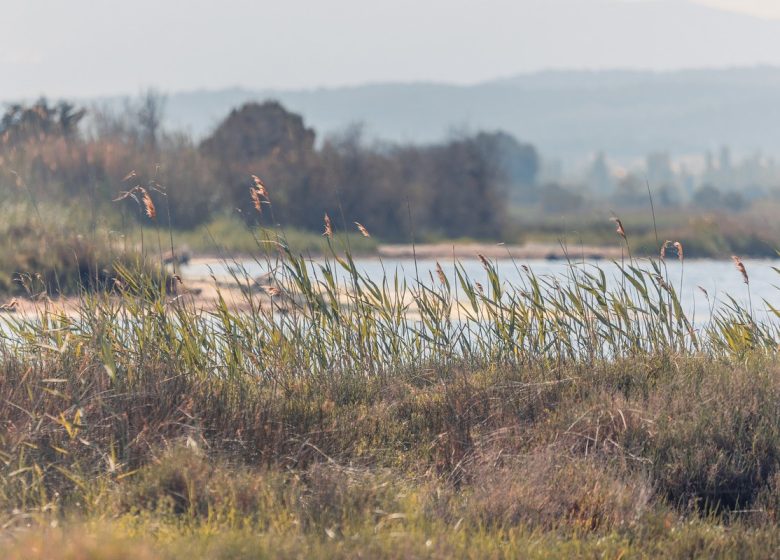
457,188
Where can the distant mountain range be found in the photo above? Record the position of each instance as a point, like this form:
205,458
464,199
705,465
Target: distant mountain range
568,115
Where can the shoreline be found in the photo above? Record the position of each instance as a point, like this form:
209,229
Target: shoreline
532,251
494,251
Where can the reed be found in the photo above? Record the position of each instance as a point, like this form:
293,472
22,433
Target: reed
332,410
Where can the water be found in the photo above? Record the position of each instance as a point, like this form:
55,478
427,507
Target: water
718,278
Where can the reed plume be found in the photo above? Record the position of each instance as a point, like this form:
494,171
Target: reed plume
362,229
260,186
440,274
662,282
679,247
145,201
149,208
272,291
741,268
328,228
258,192
254,193
666,244
619,227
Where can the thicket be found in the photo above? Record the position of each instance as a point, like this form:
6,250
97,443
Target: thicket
453,189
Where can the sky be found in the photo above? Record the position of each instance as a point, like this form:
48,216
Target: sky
758,8
83,48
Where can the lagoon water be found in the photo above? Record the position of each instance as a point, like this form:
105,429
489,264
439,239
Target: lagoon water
718,278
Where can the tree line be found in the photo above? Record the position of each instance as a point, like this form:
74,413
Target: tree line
456,188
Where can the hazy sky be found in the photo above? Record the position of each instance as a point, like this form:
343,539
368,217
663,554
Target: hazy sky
94,47
760,8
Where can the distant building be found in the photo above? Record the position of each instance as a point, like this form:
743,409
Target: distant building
599,178
659,169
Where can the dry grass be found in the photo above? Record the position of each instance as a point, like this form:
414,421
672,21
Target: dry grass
558,417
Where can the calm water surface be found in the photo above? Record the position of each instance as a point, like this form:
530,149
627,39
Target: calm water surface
718,278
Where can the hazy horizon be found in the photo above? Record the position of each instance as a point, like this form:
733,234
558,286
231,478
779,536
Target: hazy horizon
87,49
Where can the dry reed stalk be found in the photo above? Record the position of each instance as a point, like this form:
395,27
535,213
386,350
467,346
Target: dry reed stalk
666,244
10,306
741,268
257,193
149,208
662,283
145,200
328,228
254,194
619,227
260,186
126,194
362,229
484,260
680,254
272,291
440,274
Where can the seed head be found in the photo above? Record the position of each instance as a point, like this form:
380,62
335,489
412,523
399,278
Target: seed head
260,186
362,229
440,274
666,244
662,283
328,228
254,193
680,254
619,227
272,291
149,208
741,268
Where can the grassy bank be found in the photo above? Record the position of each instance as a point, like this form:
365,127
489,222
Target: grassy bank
45,249
705,235
229,237
752,233
67,250
348,416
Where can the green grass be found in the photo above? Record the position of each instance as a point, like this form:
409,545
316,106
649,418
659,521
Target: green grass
230,237
718,235
349,416
55,250
65,250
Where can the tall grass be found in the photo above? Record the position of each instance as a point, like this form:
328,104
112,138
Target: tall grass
332,407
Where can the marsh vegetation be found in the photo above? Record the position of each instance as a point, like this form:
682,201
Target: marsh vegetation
336,413
326,411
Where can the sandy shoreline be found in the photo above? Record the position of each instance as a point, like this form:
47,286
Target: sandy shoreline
529,251
204,293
